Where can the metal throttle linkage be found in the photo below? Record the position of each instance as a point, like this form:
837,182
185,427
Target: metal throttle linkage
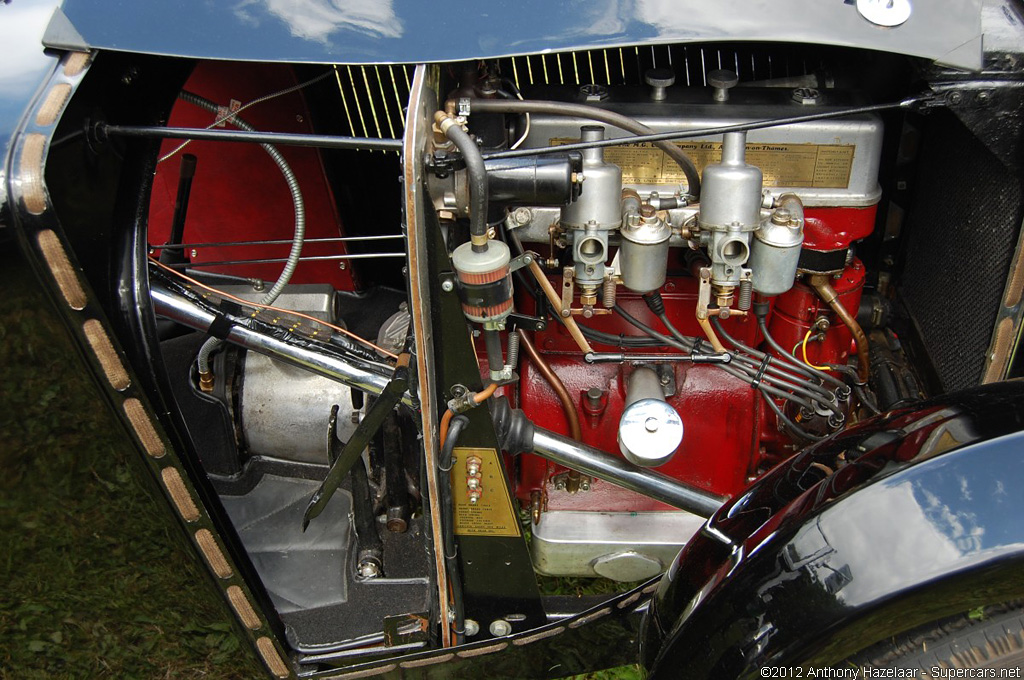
389,398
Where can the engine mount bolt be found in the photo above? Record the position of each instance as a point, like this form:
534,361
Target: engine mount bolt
500,628
396,524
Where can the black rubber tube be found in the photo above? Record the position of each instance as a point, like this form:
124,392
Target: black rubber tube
790,359
451,553
477,174
600,115
774,374
492,340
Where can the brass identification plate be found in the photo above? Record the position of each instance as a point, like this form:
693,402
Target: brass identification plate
493,513
815,166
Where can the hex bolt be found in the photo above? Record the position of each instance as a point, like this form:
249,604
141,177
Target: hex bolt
594,93
447,285
472,627
500,628
660,79
522,216
806,95
781,216
722,80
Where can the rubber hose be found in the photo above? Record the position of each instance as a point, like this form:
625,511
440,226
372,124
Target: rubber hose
458,423
477,175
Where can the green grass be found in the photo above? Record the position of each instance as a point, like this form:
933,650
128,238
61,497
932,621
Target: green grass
96,582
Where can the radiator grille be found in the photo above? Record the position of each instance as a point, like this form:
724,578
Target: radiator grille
374,99
963,228
626,65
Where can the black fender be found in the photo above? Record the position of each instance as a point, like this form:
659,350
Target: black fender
900,521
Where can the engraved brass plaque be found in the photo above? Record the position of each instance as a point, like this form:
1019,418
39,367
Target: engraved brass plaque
815,166
493,514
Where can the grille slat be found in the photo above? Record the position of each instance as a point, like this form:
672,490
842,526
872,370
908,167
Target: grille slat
373,99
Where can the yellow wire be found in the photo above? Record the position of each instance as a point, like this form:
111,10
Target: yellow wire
806,360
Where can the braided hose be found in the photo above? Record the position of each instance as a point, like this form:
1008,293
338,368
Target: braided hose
203,359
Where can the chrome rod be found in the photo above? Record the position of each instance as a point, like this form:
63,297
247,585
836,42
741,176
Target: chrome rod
182,310
619,471
271,260
277,242
278,138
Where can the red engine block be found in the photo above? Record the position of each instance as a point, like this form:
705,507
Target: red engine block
729,433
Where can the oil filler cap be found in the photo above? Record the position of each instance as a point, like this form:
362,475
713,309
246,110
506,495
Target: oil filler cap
650,431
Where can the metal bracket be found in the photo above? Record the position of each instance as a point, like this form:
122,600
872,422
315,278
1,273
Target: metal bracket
406,628
704,293
515,320
568,291
521,261
443,163
667,378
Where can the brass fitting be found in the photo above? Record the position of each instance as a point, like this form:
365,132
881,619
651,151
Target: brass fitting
723,295
206,381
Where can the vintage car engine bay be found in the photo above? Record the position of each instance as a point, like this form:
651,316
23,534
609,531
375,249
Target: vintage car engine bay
427,333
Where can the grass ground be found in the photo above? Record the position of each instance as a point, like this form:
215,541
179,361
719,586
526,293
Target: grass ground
95,582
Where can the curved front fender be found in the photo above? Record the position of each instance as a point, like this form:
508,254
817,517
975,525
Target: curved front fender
903,520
